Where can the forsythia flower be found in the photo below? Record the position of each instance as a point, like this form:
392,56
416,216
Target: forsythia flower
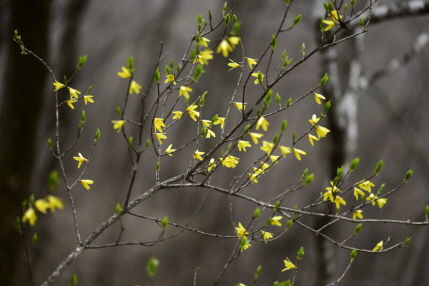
298,153
375,200
170,77
234,41
322,131
333,188
240,105
358,193
264,166
230,161
221,121
381,202
197,155
193,114
267,147
211,164
266,235
54,202
285,150
87,98
288,264
262,122
86,183
233,65
58,85
160,136
253,178
244,244
206,123
314,120
255,136
358,214
225,48
74,92
30,216
185,90
317,97
70,103
203,57
379,246
338,201
328,195
117,124
258,171
274,158
80,159
311,138
256,74
169,150
203,42
210,133
42,205
158,123
242,145
241,231
251,62
177,114
134,87
366,185
334,20
276,220
125,73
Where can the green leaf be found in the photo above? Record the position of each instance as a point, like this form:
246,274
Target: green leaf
353,254
358,228
73,280
258,271
300,253
152,266
324,79
53,180
296,20
164,222
82,61
97,135
378,167
354,163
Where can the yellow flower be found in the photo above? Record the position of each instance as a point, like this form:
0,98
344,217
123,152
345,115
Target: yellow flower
210,133
160,136
169,150
203,42
225,48
357,192
311,138
240,105
288,264
244,244
117,124
285,150
197,155
256,74
211,164
184,90
266,235
366,185
375,200
30,216
229,161
70,103
322,131
87,98
274,158
221,121
135,88
42,205
177,114
158,123
314,120
243,144
251,62
335,18
262,122
86,183
253,178
358,214
298,153
317,97
338,201
328,195
170,77
276,220
58,85
193,114
267,147
54,202
233,65
125,73
234,41
264,166
80,159
258,171
333,188
241,231
329,25
203,57
381,202
255,136
379,246
206,123
74,92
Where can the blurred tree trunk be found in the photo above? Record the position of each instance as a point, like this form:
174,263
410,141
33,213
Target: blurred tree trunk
21,106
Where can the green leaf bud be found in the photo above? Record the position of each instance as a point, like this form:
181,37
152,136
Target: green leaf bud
89,89
278,99
97,135
354,163
198,72
49,143
147,143
289,223
258,271
152,266
358,228
283,126
257,213
53,180
158,166
296,20
407,241
164,222
83,117
353,254
118,209
82,61
408,175
118,111
303,49
324,79
130,64
300,253
157,75
73,280
380,190
378,167
276,138
289,102
276,206
34,238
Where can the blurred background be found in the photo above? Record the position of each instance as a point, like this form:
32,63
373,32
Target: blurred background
390,112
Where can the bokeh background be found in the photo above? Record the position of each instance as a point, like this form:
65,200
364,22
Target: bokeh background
391,119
